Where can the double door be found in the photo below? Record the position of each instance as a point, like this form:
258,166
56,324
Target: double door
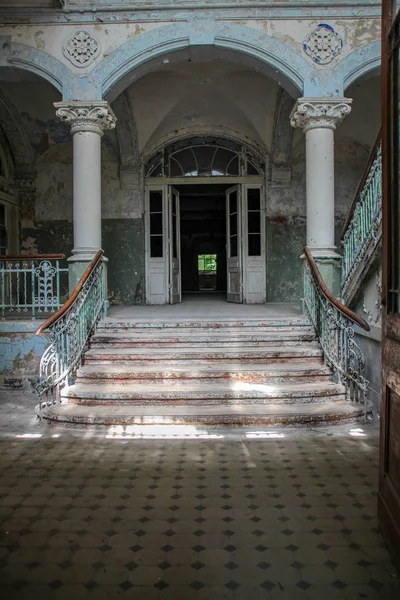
245,245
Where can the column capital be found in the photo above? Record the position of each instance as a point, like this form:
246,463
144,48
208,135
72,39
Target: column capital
325,113
86,115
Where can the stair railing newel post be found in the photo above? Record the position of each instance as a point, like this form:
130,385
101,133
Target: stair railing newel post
334,326
69,330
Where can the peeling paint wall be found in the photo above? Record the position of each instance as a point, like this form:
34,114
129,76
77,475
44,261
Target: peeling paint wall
20,352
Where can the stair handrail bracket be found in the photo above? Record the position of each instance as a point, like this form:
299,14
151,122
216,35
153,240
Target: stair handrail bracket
362,231
334,325
69,330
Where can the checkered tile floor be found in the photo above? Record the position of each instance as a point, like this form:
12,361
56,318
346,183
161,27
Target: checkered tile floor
183,513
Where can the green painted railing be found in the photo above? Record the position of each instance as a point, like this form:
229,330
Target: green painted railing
31,286
334,325
69,329
362,231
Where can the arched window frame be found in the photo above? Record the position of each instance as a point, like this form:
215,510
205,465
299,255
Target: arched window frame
159,165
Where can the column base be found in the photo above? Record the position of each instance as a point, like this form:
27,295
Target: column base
77,265
329,264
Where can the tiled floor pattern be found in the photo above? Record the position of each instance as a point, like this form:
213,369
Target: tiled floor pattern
188,514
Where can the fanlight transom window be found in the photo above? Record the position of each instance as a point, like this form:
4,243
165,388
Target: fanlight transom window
203,158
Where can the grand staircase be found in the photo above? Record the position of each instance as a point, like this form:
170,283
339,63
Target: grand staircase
209,372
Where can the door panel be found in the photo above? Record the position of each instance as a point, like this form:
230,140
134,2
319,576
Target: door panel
174,247
234,244
156,246
254,256
389,471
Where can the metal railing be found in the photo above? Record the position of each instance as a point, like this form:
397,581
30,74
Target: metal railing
69,329
334,326
32,285
362,230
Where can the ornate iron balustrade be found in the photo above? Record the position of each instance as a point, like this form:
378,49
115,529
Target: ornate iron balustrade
32,285
70,328
334,326
362,231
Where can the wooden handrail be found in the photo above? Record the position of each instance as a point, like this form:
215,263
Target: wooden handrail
349,314
32,256
361,184
73,297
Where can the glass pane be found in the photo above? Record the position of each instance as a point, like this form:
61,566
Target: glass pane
207,262
233,167
233,245
2,214
221,161
253,199
233,202
175,169
251,170
156,171
254,222
156,223
155,201
174,237
254,244
204,156
233,224
187,163
156,246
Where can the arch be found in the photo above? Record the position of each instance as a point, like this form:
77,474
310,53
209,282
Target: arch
17,137
358,64
71,85
282,140
126,130
211,131
196,40
233,157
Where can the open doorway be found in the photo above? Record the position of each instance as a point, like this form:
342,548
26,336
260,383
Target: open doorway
203,238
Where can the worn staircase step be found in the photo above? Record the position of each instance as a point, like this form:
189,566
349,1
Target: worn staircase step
256,372
182,338
200,391
271,414
311,351
210,323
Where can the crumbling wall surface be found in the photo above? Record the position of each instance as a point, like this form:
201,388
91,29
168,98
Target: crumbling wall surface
20,353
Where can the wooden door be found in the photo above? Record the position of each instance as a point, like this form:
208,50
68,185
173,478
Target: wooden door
389,474
157,250
234,245
254,256
175,287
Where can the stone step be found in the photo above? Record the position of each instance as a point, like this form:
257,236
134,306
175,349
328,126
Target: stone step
182,338
200,392
256,372
243,415
110,323
300,352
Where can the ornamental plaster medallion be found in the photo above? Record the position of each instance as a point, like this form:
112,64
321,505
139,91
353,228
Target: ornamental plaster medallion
81,49
323,44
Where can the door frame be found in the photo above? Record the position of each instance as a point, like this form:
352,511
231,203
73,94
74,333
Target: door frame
164,184
389,478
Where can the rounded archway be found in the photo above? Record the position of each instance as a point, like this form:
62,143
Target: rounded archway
186,41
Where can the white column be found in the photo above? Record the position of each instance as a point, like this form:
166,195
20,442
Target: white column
88,121
319,117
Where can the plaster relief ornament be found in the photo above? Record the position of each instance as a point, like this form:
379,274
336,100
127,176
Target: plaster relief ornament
81,48
323,44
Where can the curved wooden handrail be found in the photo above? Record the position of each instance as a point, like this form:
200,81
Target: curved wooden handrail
32,256
361,184
71,300
349,314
